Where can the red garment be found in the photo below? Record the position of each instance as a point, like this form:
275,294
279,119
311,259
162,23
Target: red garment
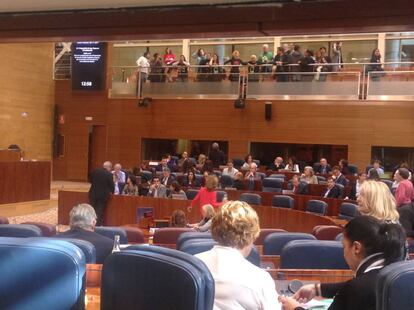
204,197
169,58
404,193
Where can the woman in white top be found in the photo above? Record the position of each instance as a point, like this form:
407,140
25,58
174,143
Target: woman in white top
292,165
239,285
248,160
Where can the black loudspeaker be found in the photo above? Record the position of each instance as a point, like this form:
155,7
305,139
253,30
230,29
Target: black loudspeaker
268,110
239,103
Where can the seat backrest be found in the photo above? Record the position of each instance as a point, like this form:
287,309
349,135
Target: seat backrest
87,248
264,232
220,195
274,243
341,190
147,175
257,162
226,181
191,193
253,199
283,201
143,277
20,231
134,234
326,232
48,230
317,206
321,178
272,185
192,235
42,274
195,246
4,220
389,183
353,169
395,286
277,176
339,237
347,211
169,235
313,254
237,162
111,231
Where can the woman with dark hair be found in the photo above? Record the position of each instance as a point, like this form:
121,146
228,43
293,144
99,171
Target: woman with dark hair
369,245
176,191
248,160
208,166
130,188
182,67
375,64
306,65
217,73
199,55
191,181
292,165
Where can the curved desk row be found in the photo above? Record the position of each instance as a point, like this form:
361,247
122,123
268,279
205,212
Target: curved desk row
122,210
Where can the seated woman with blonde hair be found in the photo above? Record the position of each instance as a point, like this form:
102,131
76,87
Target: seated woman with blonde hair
308,176
238,283
204,225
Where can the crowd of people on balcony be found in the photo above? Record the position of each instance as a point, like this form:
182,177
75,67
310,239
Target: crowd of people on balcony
289,59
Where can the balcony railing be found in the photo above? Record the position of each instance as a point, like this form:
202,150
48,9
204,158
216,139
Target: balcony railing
388,81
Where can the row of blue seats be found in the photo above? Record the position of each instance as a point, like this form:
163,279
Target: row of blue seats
50,274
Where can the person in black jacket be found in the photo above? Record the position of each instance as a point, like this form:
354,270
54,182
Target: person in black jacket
102,187
82,226
332,190
369,245
216,155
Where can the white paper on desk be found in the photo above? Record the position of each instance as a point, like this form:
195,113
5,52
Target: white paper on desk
312,304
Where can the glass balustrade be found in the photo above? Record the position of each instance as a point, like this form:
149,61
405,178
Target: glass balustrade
390,85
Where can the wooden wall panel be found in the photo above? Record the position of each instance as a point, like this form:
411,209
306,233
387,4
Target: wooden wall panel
358,124
26,85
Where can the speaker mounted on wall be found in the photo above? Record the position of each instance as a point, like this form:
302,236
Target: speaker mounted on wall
268,110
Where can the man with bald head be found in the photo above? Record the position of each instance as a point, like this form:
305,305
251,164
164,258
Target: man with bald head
102,187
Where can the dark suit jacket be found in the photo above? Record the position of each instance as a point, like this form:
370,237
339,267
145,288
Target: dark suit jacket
217,157
333,193
302,189
342,180
274,168
103,245
171,179
102,185
320,169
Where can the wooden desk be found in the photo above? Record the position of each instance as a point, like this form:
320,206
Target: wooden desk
24,181
121,210
322,275
10,155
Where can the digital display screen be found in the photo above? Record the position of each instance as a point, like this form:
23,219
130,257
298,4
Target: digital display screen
88,65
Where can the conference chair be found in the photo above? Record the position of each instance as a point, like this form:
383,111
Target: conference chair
193,161
220,195
313,254
20,231
321,178
217,173
283,201
395,287
274,243
226,181
134,234
326,232
252,199
353,169
192,235
4,220
110,232
388,182
339,237
273,185
147,278
257,162
191,193
237,163
316,166
277,176
341,189
41,274
87,248
169,235
48,230
317,206
195,246
262,175
199,178
347,211
147,175
264,232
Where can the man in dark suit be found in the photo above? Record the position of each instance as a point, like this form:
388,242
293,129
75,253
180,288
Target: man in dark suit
82,226
339,177
102,187
216,155
332,190
167,177
298,187
324,167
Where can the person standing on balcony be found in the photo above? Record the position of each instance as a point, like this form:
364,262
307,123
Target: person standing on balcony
375,65
265,58
337,56
144,65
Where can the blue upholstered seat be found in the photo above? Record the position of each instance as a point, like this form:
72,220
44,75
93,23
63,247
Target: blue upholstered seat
143,277
277,176
283,201
347,211
274,243
191,193
317,206
110,232
226,181
395,287
192,235
20,231
313,254
41,273
252,199
272,185
220,195
87,248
